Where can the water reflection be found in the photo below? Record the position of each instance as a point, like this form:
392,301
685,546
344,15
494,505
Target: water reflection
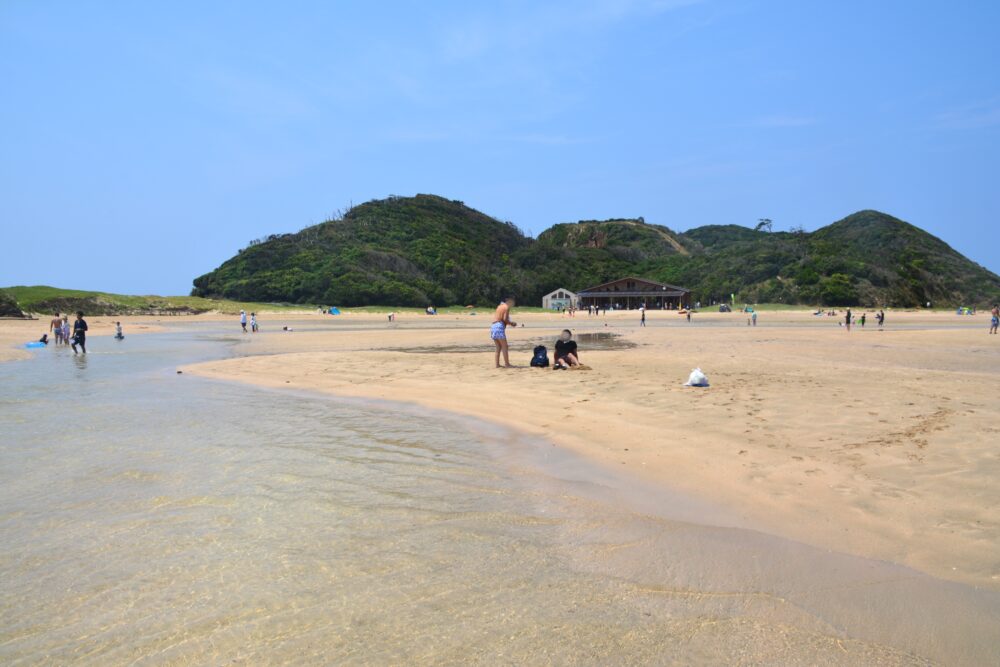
80,361
165,519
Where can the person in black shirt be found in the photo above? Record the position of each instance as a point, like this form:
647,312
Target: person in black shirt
79,333
566,354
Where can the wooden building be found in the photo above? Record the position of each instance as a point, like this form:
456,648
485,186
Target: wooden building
629,293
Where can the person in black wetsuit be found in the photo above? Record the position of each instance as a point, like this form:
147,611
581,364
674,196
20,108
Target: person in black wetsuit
566,354
79,333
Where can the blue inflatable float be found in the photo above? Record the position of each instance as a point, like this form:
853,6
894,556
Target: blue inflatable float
34,344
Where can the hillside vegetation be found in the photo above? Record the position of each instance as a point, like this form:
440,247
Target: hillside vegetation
397,251
45,299
8,305
415,251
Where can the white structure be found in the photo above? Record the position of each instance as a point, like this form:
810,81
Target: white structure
559,299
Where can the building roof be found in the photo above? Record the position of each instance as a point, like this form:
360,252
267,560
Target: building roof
650,287
651,293
561,289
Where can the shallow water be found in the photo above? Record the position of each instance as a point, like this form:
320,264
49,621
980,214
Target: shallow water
590,342
154,518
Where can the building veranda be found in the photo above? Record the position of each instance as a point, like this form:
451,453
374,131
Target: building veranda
630,293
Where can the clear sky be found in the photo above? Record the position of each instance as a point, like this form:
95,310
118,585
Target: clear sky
143,143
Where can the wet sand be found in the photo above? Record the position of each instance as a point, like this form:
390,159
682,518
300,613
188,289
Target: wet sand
362,530
878,444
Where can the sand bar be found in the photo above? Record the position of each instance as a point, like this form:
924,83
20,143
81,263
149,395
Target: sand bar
879,444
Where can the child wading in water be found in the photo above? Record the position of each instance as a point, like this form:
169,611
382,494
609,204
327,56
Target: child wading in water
498,330
79,333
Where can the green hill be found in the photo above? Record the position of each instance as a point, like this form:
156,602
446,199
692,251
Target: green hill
398,251
421,250
46,300
8,305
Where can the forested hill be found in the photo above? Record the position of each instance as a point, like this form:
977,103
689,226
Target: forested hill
415,251
399,251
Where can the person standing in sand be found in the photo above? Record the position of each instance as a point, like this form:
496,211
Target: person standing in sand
65,329
55,328
253,322
642,315
994,318
243,320
847,319
498,331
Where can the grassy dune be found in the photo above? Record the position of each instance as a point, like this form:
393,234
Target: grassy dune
43,299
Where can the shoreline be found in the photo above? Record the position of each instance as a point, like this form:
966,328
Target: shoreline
327,507
853,498
874,444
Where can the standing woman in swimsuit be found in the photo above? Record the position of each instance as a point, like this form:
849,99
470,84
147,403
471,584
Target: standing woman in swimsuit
498,330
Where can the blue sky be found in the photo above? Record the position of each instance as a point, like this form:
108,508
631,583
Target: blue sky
143,143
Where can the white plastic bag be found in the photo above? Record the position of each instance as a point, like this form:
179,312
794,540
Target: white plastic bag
696,379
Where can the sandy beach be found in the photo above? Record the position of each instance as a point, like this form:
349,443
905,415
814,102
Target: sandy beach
879,444
873,443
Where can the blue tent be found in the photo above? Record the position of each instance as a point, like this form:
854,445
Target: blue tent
335,311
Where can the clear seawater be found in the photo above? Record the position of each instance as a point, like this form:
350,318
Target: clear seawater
152,518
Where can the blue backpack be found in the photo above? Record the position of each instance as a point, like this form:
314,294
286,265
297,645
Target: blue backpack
540,358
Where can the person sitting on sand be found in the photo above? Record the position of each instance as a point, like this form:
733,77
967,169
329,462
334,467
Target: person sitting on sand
498,330
566,352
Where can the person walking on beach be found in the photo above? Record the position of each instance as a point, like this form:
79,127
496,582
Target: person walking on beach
642,315
847,319
118,331
753,318
243,320
79,333
498,330
863,316
253,322
994,318
55,328
881,319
